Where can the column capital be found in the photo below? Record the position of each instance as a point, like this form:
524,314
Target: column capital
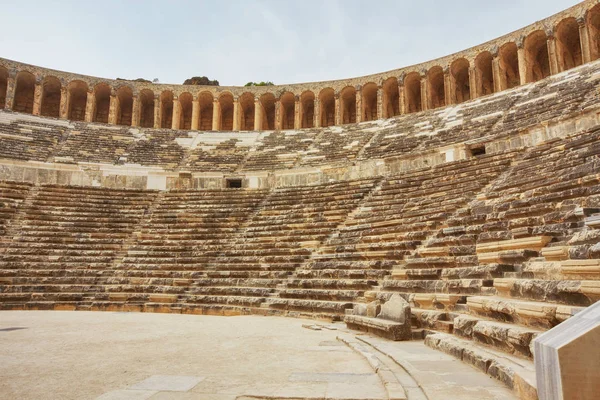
494,50
520,42
581,21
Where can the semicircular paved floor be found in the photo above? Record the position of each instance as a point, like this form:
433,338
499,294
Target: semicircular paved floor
105,355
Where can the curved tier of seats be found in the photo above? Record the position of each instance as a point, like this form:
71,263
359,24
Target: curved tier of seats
490,251
499,116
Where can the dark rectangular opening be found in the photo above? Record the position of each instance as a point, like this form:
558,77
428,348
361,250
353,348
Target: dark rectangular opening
477,151
234,183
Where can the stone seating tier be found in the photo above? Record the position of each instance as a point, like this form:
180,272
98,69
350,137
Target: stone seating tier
501,115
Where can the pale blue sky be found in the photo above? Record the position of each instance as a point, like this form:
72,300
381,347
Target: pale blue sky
236,41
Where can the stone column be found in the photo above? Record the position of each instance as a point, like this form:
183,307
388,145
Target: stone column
552,56
522,62
236,114
216,117
297,113
278,121
37,98
379,102
257,115
401,100
112,109
498,86
424,94
64,103
360,112
89,106
337,110
473,83
584,38
449,88
317,113
176,113
157,111
11,82
195,113
135,111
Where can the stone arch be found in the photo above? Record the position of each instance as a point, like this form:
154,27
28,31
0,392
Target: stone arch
287,110
412,93
327,107
537,61
568,44
508,64
348,105
436,88
459,73
307,109
391,98
369,102
77,95
166,109
247,112
484,74
51,94
146,99
3,87
124,107
267,114
24,92
226,112
592,22
185,111
205,106
101,103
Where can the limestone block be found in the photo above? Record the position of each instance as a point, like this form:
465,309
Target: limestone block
373,309
396,309
566,358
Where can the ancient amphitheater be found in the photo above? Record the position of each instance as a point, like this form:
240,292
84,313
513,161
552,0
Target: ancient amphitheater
447,212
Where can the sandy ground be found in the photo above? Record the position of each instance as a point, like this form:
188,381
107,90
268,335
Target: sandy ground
114,356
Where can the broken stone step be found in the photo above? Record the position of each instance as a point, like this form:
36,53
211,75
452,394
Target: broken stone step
543,315
516,373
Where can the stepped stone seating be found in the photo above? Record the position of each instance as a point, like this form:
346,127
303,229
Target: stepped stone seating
280,237
555,98
473,120
279,150
339,144
12,196
155,147
392,222
96,143
520,258
403,135
29,138
63,246
165,267
390,320
225,156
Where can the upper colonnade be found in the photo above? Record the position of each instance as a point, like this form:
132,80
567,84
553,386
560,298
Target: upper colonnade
556,44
